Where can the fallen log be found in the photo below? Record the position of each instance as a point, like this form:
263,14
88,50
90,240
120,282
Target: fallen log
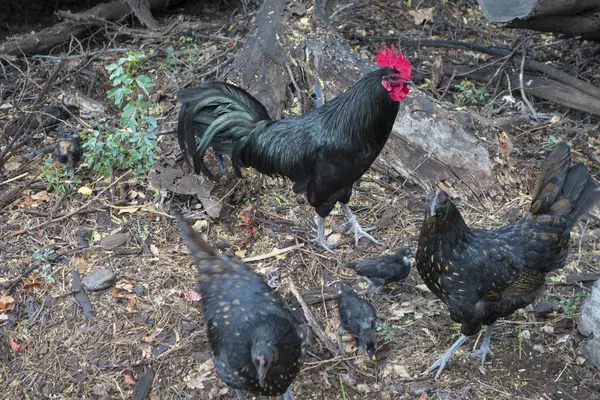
537,86
571,17
73,25
429,142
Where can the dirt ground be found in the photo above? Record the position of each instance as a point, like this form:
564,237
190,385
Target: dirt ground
152,321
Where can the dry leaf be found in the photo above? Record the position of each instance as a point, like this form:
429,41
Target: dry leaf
554,119
79,263
128,378
122,294
129,209
422,15
125,284
192,296
401,371
7,303
505,145
3,317
16,346
153,250
84,190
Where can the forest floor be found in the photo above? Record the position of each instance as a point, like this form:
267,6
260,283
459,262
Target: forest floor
151,320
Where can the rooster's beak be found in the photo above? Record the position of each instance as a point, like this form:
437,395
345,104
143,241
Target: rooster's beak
409,83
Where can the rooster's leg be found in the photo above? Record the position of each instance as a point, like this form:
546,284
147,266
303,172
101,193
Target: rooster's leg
239,394
355,227
221,162
320,240
288,395
484,350
443,360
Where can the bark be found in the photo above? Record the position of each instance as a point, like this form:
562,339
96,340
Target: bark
429,142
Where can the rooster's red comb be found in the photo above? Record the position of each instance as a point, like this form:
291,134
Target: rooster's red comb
389,58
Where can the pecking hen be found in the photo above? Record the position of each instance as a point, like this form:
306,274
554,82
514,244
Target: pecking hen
323,152
257,344
386,269
482,275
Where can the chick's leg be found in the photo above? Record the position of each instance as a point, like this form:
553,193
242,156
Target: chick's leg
340,341
484,350
355,227
443,360
320,240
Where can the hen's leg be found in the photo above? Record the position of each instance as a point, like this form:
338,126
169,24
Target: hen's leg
443,360
355,227
288,395
320,240
484,350
221,162
239,394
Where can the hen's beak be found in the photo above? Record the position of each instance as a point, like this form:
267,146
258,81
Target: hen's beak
262,374
434,202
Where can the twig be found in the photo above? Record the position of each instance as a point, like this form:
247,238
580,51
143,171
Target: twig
273,253
68,215
522,87
10,285
312,321
16,178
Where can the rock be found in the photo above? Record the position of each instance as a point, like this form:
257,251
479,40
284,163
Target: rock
589,325
83,237
591,350
113,241
418,388
543,308
98,280
590,313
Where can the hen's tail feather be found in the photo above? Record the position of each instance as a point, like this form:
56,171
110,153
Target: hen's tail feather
217,115
565,189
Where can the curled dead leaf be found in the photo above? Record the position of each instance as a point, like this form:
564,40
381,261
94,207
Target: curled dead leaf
191,296
84,190
7,303
123,294
125,284
18,346
128,378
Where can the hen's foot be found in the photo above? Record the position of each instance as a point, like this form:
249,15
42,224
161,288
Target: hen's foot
484,350
359,231
443,360
239,394
340,332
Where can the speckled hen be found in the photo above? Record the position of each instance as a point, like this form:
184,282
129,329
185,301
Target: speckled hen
482,275
358,317
386,269
257,345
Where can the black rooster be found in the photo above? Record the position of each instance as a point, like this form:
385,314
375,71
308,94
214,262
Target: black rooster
358,317
383,270
482,275
257,344
323,152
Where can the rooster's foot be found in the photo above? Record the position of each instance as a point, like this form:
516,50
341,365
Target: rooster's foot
239,394
320,239
359,231
484,350
288,395
443,360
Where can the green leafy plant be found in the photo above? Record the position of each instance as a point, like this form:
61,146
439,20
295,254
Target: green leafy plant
42,256
554,140
386,331
132,143
468,94
57,178
183,52
573,305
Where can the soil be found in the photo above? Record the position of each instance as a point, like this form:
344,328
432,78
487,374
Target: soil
72,357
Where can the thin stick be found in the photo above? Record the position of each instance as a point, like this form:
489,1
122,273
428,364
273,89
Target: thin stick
273,253
16,178
68,215
312,321
525,99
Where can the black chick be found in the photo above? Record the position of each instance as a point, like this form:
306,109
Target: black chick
257,344
68,150
358,317
383,270
482,275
